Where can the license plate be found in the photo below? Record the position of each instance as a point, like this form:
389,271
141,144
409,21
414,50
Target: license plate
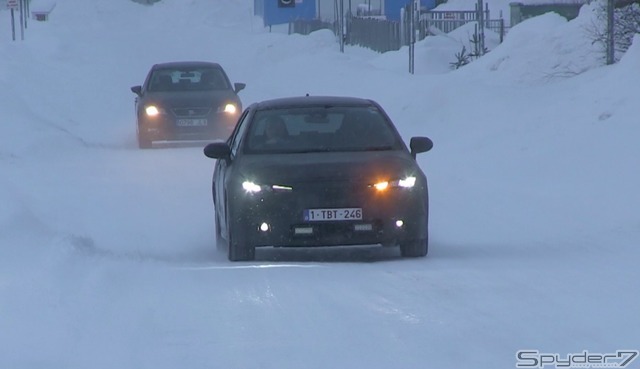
191,122
320,215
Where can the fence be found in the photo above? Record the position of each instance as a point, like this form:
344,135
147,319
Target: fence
383,35
448,20
305,27
376,34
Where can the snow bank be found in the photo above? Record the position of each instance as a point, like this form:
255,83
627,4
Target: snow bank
531,55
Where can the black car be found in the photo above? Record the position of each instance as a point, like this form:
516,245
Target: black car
186,101
318,171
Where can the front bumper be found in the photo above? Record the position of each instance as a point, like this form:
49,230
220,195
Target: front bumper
277,218
166,127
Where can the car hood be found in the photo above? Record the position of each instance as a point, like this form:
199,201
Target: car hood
367,167
190,98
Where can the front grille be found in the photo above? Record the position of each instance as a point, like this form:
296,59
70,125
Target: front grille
331,194
191,112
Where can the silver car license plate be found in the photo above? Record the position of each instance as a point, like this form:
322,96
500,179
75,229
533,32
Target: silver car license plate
191,122
320,215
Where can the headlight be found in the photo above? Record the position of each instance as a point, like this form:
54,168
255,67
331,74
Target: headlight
381,186
228,108
153,110
407,182
252,187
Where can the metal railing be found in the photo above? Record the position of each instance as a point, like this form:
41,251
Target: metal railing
448,20
383,35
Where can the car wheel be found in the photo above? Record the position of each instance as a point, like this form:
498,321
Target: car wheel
221,243
143,142
414,248
238,250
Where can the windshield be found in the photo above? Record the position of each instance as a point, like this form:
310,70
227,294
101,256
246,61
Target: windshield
187,79
321,129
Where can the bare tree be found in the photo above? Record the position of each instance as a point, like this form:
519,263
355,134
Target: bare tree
626,25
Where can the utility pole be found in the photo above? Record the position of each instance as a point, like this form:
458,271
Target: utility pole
22,20
26,13
481,21
341,23
413,23
13,24
610,33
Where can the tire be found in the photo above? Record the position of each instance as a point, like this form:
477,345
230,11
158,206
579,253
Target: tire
221,243
414,248
143,142
238,250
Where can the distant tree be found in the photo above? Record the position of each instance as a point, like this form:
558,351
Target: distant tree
478,50
626,25
462,58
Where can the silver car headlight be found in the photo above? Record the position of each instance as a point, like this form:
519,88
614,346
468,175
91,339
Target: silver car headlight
153,110
228,108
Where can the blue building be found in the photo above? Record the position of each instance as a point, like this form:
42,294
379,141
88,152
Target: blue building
392,7
272,13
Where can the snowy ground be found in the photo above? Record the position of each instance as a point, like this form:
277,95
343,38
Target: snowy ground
107,254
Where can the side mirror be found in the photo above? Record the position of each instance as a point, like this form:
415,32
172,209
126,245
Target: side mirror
420,144
137,90
237,87
217,150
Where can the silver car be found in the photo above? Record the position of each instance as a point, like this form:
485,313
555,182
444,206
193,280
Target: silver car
186,101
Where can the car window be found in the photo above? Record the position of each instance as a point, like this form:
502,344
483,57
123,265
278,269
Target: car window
187,79
312,129
236,138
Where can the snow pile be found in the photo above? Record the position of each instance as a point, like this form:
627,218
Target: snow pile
434,54
529,55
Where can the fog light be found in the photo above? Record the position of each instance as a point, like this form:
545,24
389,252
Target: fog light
264,227
399,223
303,230
363,227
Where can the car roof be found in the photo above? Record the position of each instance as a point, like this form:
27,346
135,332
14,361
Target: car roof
306,101
186,64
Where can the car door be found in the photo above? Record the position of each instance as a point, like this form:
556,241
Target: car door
223,168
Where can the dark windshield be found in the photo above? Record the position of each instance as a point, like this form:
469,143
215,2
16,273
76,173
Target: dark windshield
188,79
321,129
